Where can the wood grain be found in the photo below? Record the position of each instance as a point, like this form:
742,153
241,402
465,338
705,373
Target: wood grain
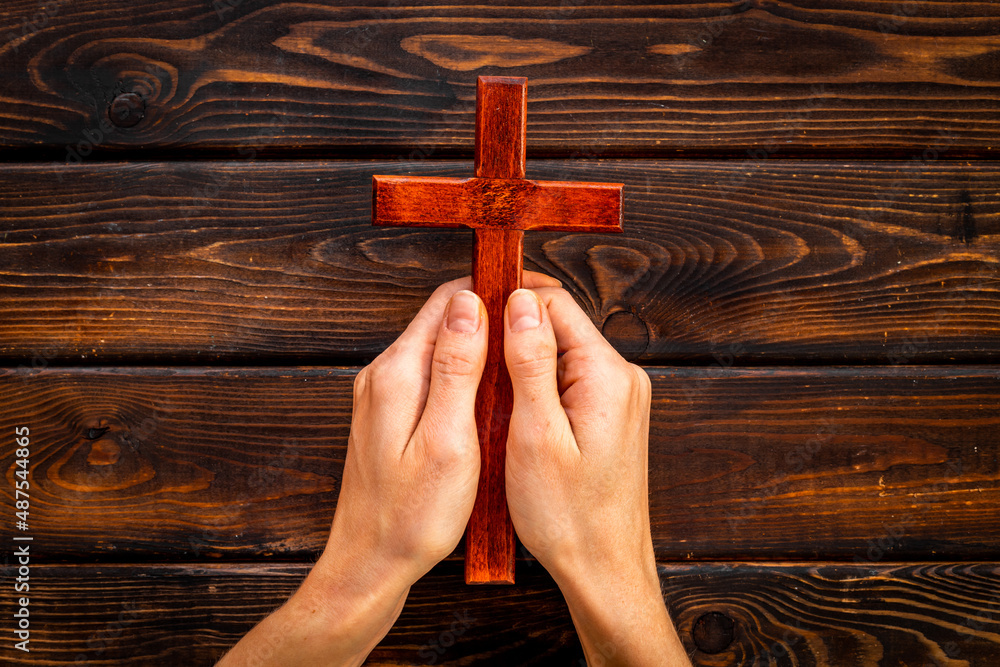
499,204
867,464
816,614
721,263
879,78
489,539
497,264
501,126
829,614
830,513
493,203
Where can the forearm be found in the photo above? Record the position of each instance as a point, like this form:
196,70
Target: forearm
335,618
621,620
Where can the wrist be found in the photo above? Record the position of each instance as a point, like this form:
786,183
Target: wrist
584,570
619,614
351,604
335,617
611,590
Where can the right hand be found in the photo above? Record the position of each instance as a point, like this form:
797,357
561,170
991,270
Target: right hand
577,488
577,445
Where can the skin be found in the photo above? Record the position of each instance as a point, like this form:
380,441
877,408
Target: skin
576,483
577,477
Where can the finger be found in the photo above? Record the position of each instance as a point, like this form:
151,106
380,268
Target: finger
533,279
584,353
530,352
457,366
392,390
573,328
422,330
408,359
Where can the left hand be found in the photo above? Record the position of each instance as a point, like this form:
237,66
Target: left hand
412,467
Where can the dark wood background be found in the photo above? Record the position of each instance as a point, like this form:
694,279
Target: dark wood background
810,273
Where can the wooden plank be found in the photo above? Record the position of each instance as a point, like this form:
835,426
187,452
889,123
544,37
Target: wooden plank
753,262
865,464
818,614
878,78
860,464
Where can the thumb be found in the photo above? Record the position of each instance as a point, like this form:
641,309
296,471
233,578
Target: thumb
530,350
456,367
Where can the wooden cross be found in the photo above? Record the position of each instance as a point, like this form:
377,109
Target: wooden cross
499,204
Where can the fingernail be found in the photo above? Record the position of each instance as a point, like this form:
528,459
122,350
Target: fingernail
463,313
524,310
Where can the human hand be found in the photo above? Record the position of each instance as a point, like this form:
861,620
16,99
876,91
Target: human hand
407,491
412,467
577,477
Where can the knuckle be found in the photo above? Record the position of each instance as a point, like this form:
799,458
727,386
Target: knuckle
386,377
360,382
643,384
373,372
444,291
626,385
636,385
530,366
455,361
559,294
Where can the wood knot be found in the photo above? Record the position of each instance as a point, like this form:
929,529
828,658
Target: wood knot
713,632
104,452
93,433
627,333
127,110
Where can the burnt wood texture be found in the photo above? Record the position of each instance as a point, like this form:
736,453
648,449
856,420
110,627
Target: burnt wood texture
896,462
759,261
809,272
236,77
499,205
727,614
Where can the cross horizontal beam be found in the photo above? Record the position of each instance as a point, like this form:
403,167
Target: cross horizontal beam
496,203
500,205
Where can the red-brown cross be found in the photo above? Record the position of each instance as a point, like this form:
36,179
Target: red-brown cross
499,204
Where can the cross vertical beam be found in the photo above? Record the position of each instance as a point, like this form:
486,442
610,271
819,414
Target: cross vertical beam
501,124
499,203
